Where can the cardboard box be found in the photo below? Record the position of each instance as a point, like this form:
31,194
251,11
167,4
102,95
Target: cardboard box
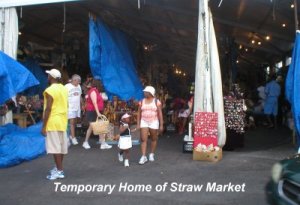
207,156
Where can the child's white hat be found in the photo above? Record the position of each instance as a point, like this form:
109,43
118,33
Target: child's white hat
126,115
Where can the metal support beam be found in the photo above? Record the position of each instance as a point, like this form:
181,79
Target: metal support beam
177,10
258,48
151,19
14,3
252,29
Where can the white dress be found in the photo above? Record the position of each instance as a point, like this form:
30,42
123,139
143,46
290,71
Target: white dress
125,141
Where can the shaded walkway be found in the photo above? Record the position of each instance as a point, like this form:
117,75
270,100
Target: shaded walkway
26,183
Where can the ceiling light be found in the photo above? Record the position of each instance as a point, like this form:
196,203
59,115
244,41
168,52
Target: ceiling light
246,49
253,41
283,25
292,6
237,61
20,33
240,47
259,43
268,38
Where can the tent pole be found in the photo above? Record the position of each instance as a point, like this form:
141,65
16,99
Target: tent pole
2,28
296,14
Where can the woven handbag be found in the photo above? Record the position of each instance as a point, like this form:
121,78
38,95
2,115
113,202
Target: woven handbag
101,125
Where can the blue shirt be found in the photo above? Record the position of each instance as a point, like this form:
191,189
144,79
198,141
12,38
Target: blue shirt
272,89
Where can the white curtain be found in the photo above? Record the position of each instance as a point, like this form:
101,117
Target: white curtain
208,82
9,31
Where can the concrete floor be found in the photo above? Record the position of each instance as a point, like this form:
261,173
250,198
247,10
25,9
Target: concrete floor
26,183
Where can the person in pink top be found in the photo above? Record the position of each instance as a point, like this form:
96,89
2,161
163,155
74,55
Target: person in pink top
149,120
94,105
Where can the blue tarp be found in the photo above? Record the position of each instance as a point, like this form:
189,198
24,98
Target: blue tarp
20,144
292,85
33,66
14,78
112,60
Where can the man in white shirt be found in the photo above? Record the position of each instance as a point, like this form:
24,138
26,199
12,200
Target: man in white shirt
74,108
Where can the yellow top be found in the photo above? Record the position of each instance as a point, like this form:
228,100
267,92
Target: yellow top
58,118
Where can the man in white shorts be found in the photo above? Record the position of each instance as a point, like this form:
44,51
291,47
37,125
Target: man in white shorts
74,100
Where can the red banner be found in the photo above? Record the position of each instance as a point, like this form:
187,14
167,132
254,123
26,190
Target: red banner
206,128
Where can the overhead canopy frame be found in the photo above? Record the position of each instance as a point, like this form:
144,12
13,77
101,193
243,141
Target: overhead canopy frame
14,3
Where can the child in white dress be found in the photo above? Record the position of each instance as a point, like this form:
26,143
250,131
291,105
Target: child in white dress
125,141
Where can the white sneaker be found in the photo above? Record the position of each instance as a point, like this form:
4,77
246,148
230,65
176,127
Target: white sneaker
56,175
74,141
143,160
51,171
104,145
120,156
86,145
126,163
151,157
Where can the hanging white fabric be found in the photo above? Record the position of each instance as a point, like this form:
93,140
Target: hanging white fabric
208,82
9,32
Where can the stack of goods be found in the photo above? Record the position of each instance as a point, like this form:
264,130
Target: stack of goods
209,148
234,114
109,112
234,111
110,135
209,153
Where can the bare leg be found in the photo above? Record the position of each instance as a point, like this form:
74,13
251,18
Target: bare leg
144,139
185,119
270,121
275,121
72,127
58,159
126,154
180,125
102,138
154,138
88,133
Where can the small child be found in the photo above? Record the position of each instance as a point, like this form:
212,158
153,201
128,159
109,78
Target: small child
125,141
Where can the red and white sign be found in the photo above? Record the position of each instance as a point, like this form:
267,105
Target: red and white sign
206,128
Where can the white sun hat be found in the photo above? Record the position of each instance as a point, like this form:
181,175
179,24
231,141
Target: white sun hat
126,115
150,89
54,73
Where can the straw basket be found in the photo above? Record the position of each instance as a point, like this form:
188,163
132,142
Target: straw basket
101,125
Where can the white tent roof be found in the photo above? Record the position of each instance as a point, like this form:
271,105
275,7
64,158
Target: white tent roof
13,3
